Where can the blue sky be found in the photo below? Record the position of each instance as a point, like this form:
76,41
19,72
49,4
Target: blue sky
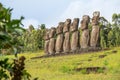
51,12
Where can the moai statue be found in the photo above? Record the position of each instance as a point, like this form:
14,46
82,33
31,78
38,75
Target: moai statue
60,38
66,44
75,35
84,41
46,46
51,48
95,30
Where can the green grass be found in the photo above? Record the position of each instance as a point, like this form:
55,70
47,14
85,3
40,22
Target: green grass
63,67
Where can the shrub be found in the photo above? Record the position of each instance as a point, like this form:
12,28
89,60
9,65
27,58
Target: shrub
15,70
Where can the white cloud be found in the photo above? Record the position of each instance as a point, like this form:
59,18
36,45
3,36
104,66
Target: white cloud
28,22
78,8
73,10
57,11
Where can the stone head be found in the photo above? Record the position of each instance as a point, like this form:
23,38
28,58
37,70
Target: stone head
68,21
60,28
96,13
67,25
74,25
95,19
86,18
84,22
52,32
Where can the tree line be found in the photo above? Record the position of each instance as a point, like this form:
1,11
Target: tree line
110,32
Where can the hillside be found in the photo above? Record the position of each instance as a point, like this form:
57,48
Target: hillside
103,65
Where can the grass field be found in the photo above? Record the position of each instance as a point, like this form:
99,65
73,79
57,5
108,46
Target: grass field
67,67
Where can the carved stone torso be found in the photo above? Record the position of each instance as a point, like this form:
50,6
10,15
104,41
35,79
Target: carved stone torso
84,41
51,47
60,38
46,37
75,35
94,36
66,44
95,30
75,41
46,45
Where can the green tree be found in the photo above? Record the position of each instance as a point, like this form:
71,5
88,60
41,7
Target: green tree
42,26
9,29
109,33
105,27
33,40
31,28
114,35
116,19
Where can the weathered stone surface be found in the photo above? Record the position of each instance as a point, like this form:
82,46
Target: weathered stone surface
74,25
60,38
46,47
75,35
95,19
51,47
84,23
75,41
67,25
59,29
84,41
46,38
95,30
94,36
59,43
66,44
52,32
